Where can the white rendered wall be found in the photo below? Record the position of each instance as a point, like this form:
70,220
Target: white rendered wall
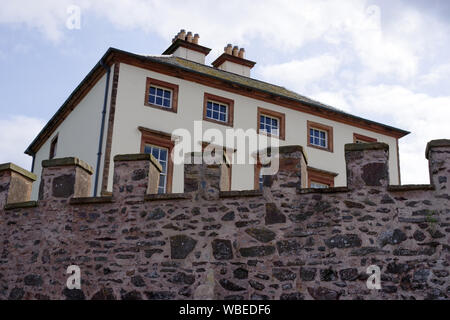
132,113
78,134
235,68
190,55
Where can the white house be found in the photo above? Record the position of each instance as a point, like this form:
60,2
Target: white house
130,103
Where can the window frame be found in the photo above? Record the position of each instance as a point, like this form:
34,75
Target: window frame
321,177
162,85
161,140
230,108
53,147
272,114
363,138
321,127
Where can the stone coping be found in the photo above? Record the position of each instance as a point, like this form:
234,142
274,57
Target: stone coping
334,174
139,157
91,200
21,205
167,196
242,193
366,146
69,161
436,144
324,190
410,187
11,166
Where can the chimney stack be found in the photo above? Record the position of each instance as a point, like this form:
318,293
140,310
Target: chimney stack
186,46
232,60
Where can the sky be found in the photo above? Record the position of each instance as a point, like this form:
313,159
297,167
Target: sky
387,61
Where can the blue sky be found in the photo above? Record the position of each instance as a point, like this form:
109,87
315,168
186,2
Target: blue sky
387,61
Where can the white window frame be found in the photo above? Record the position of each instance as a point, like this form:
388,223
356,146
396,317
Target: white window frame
318,145
163,98
227,107
271,118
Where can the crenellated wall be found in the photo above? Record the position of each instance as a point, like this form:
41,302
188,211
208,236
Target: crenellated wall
285,242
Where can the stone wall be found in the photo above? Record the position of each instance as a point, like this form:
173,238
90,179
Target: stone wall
285,242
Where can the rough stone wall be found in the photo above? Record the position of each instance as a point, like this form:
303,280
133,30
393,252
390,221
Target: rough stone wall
285,242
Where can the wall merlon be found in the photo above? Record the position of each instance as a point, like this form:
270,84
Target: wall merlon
65,178
438,154
135,175
15,184
367,165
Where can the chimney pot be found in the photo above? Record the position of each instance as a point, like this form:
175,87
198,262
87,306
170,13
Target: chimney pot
241,53
235,51
182,34
189,37
228,49
195,40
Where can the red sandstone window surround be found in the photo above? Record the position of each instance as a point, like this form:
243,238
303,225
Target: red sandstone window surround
53,147
359,138
319,136
320,178
218,109
271,123
161,95
162,140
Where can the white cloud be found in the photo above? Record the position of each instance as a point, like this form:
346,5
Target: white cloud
424,115
437,74
298,74
281,25
17,133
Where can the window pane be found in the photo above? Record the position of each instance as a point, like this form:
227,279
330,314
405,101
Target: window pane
159,92
208,113
163,154
167,94
162,180
322,134
158,100
166,103
223,109
152,90
152,99
275,122
222,117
